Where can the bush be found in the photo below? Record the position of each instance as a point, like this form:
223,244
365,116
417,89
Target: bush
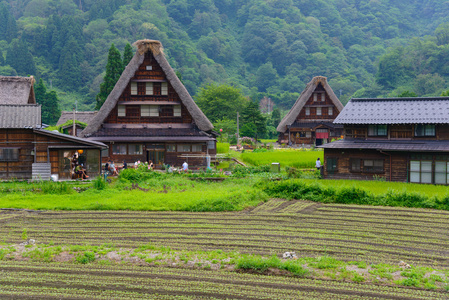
85,258
99,183
353,195
260,264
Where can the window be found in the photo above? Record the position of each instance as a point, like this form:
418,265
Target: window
134,149
154,110
424,130
331,164
121,111
323,97
318,111
330,111
119,149
377,130
149,68
177,111
149,88
307,111
9,154
166,110
421,171
164,89
315,97
133,88
373,165
441,175
355,165
183,148
145,111
308,134
171,148
197,148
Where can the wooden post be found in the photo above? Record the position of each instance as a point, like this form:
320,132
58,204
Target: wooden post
74,127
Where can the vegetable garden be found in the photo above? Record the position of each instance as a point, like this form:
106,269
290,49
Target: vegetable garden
345,252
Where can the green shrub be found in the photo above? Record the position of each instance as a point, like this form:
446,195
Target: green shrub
352,195
99,183
260,264
51,187
223,147
85,258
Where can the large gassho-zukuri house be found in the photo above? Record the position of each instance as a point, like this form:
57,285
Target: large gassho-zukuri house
150,116
310,121
29,152
398,139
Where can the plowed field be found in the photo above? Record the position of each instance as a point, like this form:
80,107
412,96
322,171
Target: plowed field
346,232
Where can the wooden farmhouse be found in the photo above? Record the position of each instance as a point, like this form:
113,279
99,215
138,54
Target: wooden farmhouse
150,116
310,121
398,139
26,150
81,116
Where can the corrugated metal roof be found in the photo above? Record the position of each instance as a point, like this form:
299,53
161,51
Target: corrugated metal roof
407,146
395,111
20,116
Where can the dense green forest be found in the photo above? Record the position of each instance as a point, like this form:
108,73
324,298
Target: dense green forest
366,48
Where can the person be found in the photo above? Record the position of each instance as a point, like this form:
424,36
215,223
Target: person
106,167
81,171
125,165
185,166
113,169
150,165
318,164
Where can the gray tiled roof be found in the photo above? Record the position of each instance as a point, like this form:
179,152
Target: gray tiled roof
395,111
20,116
17,90
407,146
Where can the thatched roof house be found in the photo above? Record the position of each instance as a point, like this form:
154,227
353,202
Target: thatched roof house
17,90
82,116
150,115
310,120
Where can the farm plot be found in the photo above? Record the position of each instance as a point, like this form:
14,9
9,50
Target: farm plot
373,235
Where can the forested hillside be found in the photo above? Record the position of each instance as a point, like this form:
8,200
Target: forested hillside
264,47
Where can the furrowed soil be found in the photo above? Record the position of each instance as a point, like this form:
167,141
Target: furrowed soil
367,234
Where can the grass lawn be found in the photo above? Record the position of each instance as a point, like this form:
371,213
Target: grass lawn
288,157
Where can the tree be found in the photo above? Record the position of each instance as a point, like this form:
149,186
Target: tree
220,101
276,117
407,94
114,69
49,101
70,65
254,123
127,55
19,57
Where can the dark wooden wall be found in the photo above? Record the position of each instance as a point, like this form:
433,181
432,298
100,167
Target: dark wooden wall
406,132
399,162
302,117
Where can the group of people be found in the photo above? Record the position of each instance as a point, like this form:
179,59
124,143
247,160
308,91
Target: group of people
78,168
112,169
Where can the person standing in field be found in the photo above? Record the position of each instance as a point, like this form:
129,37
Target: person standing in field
185,166
318,164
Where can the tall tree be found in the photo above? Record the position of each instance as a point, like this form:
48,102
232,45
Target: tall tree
127,55
70,65
49,101
19,57
220,101
253,120
114,69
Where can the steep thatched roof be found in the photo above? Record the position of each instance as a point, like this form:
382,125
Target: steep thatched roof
20,116
155,47
82,116
290,118
17,90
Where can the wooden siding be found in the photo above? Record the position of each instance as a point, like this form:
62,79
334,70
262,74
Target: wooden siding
312,105
396,132
27,141
133,111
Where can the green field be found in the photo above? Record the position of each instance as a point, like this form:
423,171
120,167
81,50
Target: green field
287,158
348,252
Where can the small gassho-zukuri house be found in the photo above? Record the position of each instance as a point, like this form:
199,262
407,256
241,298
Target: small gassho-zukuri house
83,118
397,139
150,116
29,152
310,121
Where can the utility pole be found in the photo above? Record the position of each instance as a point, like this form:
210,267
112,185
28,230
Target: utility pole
74,118
238,134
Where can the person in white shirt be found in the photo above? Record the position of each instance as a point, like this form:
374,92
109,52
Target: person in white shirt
185,166
318,163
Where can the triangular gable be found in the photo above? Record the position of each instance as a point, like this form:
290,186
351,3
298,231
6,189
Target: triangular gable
290,118
155,47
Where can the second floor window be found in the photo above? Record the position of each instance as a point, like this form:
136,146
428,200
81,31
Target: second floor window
424,130
318,111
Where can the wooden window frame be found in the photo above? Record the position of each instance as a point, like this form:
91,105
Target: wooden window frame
330,166
373,168
120,147
9,154
139,152
133,88
177,111
182,148
307,111
164,88
171,147
351,165
319,111
149,88
330,111
121,111
195,146
375,130
423,128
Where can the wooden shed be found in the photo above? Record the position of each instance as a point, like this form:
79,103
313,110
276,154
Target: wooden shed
150,116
